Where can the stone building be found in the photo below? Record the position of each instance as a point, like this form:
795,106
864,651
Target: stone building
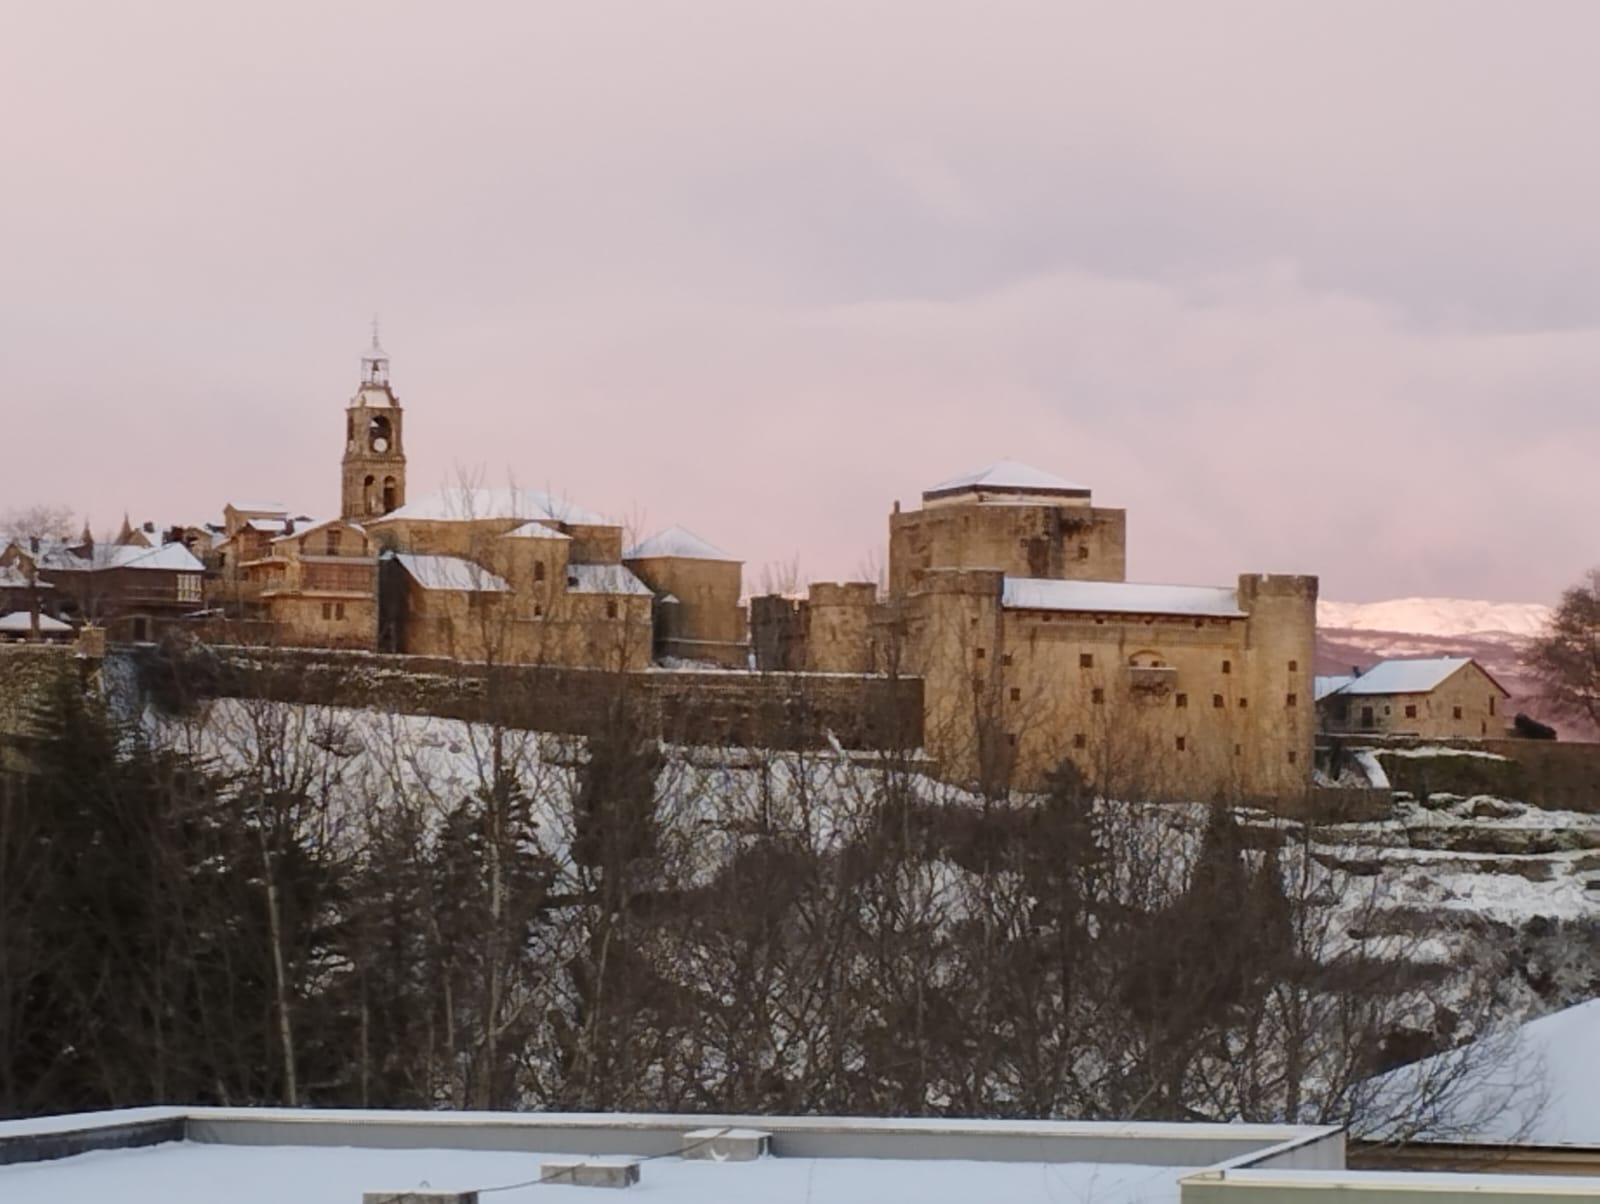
134,592
500,575
1437,698
1007,595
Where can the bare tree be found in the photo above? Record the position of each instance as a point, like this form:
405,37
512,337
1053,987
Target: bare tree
30,531
1567,656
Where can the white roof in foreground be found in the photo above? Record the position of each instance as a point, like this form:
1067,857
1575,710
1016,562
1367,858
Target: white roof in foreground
462,505
22,621
603,579
265,1156
1540,1086
676,542
173,557
450,572
1406,676
1121,597
1009,474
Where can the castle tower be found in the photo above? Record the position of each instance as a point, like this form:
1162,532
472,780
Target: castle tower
374,451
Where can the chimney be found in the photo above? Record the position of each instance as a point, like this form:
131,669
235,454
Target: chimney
149,528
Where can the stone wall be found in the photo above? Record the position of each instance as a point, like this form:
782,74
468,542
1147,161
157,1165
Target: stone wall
775,710
1543,773
25,672
1079,542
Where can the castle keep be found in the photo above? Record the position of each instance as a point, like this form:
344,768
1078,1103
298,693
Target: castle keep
1006,597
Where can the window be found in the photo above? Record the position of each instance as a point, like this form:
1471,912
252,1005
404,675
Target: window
611,610
1083,551
1243,703
338,610
1238,750
1291,700
188,587
1080,741
1293,756
538,570
1491,704
1411,710
1181,701
1183,743
1011,739
327,610
1016,694
1099,695
1455,712
1227,666
1005,658
1086,660
333,541
980,654
1216,700
141,630
1294,666
538,611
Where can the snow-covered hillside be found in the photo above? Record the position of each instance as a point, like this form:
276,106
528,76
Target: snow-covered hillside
1436,616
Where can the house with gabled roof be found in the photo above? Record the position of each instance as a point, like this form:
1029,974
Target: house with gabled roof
1441,697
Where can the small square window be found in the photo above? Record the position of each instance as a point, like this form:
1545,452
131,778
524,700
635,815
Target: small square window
1005,658
1293,756
1244,703
1294,666
538,611
1227,666
1291,700
1099,695
1183,743
1455,712
1238,750
980,654
1181,701
1083,551
611,610
1016,694
1411,710
1080,741
1086,660
1011,739
1216,700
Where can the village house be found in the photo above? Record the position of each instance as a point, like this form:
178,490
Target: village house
133,590
1437,698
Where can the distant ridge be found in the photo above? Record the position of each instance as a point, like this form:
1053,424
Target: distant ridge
1436,616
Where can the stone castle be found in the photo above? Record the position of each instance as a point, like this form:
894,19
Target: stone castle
1006,594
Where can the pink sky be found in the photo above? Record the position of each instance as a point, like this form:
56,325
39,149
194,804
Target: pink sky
1307,287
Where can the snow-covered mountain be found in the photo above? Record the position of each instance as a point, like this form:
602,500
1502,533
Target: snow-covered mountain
1436,616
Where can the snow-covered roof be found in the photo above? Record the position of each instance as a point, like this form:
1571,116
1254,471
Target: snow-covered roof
1322,686
468,505
1008,476
603,579
266,508
323,525
374,396
20,621
450,572
172,557
1407,676
679,543
535,531
12,577
1121,597
1537,1086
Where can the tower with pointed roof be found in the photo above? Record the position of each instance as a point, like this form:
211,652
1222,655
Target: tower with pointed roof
374,477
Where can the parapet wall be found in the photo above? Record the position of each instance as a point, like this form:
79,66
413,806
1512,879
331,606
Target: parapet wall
769,710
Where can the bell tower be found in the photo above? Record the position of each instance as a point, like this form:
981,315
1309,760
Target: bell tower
374,452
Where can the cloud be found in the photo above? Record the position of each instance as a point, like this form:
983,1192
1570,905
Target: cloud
1305,288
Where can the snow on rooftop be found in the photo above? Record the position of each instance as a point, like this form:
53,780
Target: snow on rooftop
1010,474
603,579
264,508
450,572
676,542
1322,686
172,557
1541,1086
1405,676
195,1172
468,505
21,622
12,577
1121,597
535,531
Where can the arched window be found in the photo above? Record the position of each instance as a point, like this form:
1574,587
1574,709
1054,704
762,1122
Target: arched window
391,494
369,497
